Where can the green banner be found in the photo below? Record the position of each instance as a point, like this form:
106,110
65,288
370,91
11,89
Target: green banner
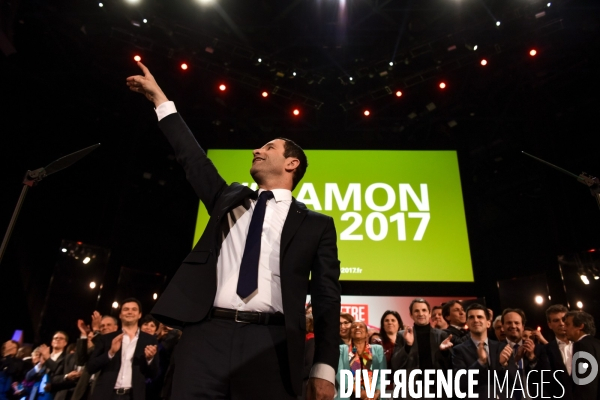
399,215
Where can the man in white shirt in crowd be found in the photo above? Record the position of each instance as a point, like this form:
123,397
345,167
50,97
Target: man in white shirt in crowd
125,359
560,352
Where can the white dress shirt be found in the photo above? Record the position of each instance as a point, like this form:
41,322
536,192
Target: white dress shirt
126,371
566,351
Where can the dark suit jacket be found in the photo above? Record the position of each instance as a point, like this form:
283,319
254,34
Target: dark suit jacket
308,246
109,367
458,336
409,360
539,364
556,364
591,391
464,356
61,387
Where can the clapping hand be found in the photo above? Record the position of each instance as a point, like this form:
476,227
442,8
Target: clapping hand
409,336
150,351
446,344
116,345
505,355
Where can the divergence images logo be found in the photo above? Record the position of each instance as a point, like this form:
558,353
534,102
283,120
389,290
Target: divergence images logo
583,367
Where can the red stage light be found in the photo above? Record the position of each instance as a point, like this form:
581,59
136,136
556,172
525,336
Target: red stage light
442,85
367,113
137,58
532,52
222,87
265,94
484,62
184,66
296,112
398,94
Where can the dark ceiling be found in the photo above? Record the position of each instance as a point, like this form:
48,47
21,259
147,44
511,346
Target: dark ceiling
62,87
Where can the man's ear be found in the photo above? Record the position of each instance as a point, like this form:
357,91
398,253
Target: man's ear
291,163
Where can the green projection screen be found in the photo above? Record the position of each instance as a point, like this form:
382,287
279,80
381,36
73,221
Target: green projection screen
399,215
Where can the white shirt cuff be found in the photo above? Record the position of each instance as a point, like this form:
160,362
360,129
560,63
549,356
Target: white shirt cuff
166,108
323,371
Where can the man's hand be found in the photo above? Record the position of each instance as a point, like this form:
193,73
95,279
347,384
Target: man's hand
482,354
150,351
446,344
83,328
409,336
505,355
529,349
319,389
73,375
45,352
147,86
115,345
96,320
540,338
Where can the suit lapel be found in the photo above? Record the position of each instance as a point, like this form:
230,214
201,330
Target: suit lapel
492,349
292,223
435,345
556,354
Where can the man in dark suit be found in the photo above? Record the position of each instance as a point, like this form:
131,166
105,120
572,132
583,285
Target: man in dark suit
581,329
454,314
527,356
421,347
560,353
483,354
124,359
241,291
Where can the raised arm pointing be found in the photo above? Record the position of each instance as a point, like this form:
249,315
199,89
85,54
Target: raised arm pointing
146,85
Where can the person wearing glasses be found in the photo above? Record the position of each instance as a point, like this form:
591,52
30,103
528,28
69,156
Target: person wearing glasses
359,355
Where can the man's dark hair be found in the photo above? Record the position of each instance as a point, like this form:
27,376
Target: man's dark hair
291,149
515,310
384,337
555,309
477,306
585,319
446,309
436,308
528,328
419,300
149,318
132,300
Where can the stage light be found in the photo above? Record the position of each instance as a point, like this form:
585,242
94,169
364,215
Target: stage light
539,299
260,60
579,304
115,304
584,279
548,5
63,250
296,112
442,85
294,73
350,78
596,277
86,260
92,285
398,93
475,48
137,58
100,5
265,94
184,66
367,113
498,23
484,62
155,296
532,52
132,1
391,63
145,21
222,87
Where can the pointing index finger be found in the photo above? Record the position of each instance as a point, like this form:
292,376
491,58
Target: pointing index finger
145,70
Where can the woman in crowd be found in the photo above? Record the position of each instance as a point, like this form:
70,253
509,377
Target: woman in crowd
391,324
345,321
359,356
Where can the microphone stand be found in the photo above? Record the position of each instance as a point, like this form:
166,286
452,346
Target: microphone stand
591,182
32,178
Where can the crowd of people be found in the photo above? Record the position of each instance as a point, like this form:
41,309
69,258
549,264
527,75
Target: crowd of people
133,354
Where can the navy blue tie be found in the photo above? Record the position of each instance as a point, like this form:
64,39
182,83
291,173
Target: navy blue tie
248,277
